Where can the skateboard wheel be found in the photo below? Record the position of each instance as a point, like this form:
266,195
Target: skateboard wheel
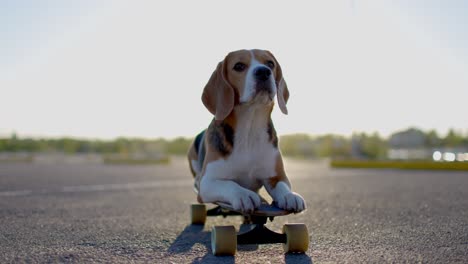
198,214
223,240
297,238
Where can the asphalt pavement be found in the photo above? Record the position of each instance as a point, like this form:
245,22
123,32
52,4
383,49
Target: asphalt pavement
84,213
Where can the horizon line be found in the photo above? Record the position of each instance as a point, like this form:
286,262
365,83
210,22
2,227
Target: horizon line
20,135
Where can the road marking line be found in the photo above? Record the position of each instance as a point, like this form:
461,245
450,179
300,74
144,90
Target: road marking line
16,193
100,187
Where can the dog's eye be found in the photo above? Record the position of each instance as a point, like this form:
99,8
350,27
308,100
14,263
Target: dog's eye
270,64
239,67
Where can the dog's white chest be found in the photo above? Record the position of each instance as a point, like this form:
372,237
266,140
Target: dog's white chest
253,157
253,154
257,157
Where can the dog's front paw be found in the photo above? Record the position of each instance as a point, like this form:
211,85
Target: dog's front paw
245,201
292,202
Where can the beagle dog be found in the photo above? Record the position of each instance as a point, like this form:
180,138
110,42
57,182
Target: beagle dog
238,153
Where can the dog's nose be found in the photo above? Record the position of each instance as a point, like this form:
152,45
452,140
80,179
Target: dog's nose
262,73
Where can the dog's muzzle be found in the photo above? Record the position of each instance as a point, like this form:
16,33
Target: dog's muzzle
263,82
262,74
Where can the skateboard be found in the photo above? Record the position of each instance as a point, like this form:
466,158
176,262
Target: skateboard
224,239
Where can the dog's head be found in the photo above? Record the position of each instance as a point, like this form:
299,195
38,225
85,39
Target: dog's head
243,77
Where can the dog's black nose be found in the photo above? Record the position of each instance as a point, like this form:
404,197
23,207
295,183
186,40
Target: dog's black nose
262,73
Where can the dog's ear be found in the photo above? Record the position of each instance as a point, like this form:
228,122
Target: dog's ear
282,88
218,95
283,95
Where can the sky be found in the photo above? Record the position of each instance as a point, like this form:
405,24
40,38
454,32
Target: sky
104,69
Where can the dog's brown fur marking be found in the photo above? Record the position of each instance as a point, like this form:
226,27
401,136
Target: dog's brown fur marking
221,137
280,174
274,180
272,137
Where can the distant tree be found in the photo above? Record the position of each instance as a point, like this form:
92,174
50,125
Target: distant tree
373,146
465,140
325,145
341,147
12,144
2,145
298,145
68,145
121,146
452,139
432,139
178,146
14,136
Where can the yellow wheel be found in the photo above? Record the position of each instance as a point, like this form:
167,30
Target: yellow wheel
223,240
198,214
297,238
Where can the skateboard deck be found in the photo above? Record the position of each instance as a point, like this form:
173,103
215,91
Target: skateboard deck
265,209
